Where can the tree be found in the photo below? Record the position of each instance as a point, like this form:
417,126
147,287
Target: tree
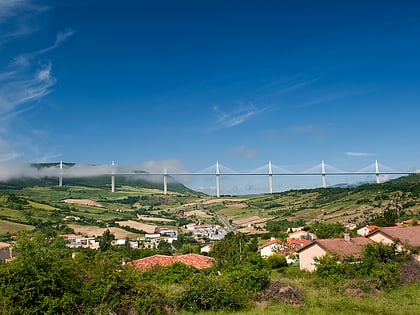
43,278
105,241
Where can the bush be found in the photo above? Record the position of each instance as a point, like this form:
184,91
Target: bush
249,278
277,261
211,293
330,269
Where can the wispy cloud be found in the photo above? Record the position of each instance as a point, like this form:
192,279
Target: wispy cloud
359,154
27,77
17,18
237,116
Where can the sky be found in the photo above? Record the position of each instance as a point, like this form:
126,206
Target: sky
182,85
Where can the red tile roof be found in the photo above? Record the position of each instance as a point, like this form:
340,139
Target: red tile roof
192,260
343,249
409,234
271,242
297,242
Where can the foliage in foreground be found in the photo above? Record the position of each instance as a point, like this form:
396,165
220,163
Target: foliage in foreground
378,269
45,279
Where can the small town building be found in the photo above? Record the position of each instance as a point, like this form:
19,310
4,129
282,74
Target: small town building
345,248
271,247
367,229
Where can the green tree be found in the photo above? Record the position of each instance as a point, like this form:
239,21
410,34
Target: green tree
43,278
105,241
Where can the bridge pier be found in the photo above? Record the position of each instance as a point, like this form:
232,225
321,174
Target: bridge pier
270,177
377,172
217,180
113,177
60,176
324,179
165,182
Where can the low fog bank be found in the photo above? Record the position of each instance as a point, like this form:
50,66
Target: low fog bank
12,171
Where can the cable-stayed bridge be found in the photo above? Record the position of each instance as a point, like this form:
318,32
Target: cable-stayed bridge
270,170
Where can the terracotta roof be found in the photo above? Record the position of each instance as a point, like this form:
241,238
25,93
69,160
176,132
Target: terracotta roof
344,249
298,242
192,260
271,242
409,234
4,245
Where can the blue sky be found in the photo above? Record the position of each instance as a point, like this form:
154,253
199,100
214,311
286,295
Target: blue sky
183,84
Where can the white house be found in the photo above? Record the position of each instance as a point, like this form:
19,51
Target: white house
271,247
344,248
367,229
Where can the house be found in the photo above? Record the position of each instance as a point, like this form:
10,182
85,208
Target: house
271,247
409,235
344,248
207,248
294,244
302,234
167,232
6,251
367,229
191,260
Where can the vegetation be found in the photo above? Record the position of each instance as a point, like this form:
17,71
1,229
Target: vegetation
47,278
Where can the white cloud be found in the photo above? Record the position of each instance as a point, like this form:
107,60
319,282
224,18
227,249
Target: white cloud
17,18
358,154
27,78
236,117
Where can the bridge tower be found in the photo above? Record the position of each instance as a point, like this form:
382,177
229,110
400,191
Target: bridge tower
113,177
324,179
217,180
270,177
165,181
377,172
60,176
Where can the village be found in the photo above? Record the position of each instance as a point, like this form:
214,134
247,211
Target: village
301,248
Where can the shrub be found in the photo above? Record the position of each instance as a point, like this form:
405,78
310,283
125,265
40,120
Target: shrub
211,293
277,261
329,268
247,277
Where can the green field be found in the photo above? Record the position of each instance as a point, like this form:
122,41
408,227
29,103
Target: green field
11,227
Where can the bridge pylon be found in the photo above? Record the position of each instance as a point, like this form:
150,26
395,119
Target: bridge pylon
270,177
165,181
324,179
113,177
217,180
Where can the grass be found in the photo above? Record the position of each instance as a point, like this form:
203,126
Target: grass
324,302
12,227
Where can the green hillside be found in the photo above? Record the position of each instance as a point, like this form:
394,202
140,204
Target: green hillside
359,205
40,203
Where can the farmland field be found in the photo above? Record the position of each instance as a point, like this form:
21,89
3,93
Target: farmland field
12,227
94,231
